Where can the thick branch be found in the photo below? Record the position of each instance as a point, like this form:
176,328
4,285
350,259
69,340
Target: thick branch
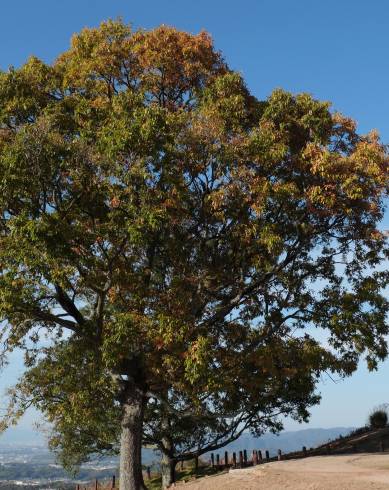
68,305
46,316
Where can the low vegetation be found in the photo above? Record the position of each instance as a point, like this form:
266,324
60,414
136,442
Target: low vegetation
378,418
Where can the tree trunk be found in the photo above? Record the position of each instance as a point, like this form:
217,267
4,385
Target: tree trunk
168,464
168,470
131,477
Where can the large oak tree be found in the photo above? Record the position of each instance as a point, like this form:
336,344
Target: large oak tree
159,217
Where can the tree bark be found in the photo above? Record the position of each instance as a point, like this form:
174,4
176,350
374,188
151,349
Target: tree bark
168,464
168,471
131,477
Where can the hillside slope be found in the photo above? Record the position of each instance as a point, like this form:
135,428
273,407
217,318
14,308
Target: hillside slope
362,440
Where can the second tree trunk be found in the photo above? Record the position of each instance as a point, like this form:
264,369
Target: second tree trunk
168,470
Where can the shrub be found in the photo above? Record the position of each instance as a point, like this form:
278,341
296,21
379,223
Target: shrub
378,418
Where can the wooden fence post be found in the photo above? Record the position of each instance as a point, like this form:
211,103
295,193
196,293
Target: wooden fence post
267,455
279,455
226,459
304,451
255,458
241,459
217,461
96,484
234,460
212,460
245,457
259,453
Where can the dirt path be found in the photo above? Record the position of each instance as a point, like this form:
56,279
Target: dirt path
352,472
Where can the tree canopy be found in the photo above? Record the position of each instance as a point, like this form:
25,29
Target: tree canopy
171,235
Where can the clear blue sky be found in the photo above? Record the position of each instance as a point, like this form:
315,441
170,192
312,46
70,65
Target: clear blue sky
336,50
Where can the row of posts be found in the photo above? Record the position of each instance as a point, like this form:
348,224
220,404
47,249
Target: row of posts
240,460
257,457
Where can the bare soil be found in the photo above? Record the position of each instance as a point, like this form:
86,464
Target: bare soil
343,472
